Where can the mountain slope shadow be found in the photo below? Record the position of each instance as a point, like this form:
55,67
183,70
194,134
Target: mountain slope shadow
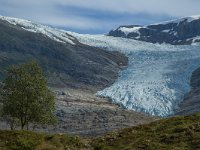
191,102
65,64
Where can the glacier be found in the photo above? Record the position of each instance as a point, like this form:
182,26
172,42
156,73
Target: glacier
156,78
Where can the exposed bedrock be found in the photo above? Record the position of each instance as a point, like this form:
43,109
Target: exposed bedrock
191,102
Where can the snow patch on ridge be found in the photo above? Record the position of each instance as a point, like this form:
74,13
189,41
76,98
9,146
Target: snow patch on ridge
127,30
157,76
53,33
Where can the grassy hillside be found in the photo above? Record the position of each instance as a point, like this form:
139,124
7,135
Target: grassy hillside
25,140
178,133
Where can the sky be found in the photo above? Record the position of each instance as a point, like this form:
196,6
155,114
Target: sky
98,16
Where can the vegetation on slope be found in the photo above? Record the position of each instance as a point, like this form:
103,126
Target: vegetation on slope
25,96
177,133
26,140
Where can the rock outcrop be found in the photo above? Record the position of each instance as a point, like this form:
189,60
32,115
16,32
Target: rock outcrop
191,102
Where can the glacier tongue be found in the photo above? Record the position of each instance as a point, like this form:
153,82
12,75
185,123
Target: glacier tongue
156,78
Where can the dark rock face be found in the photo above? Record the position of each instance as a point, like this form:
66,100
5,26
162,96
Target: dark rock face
65,64
180,32
191,102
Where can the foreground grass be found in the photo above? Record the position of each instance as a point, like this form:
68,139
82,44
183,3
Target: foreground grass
178,133
26,140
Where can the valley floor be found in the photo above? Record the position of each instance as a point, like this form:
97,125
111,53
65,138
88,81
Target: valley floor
80,112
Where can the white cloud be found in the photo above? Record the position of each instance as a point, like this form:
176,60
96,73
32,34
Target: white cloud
170,7
48,11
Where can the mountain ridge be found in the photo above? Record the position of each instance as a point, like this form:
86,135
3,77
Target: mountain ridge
183,31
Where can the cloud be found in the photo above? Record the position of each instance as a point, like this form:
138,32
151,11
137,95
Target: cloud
98,15
170,7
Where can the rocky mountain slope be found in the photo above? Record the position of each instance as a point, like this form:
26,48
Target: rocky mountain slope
191,102
183,31
66,61
75,73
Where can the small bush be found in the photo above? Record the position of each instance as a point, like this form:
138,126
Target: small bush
98,146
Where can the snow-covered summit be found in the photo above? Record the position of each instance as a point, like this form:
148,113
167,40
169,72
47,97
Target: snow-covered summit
53,33
183,31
